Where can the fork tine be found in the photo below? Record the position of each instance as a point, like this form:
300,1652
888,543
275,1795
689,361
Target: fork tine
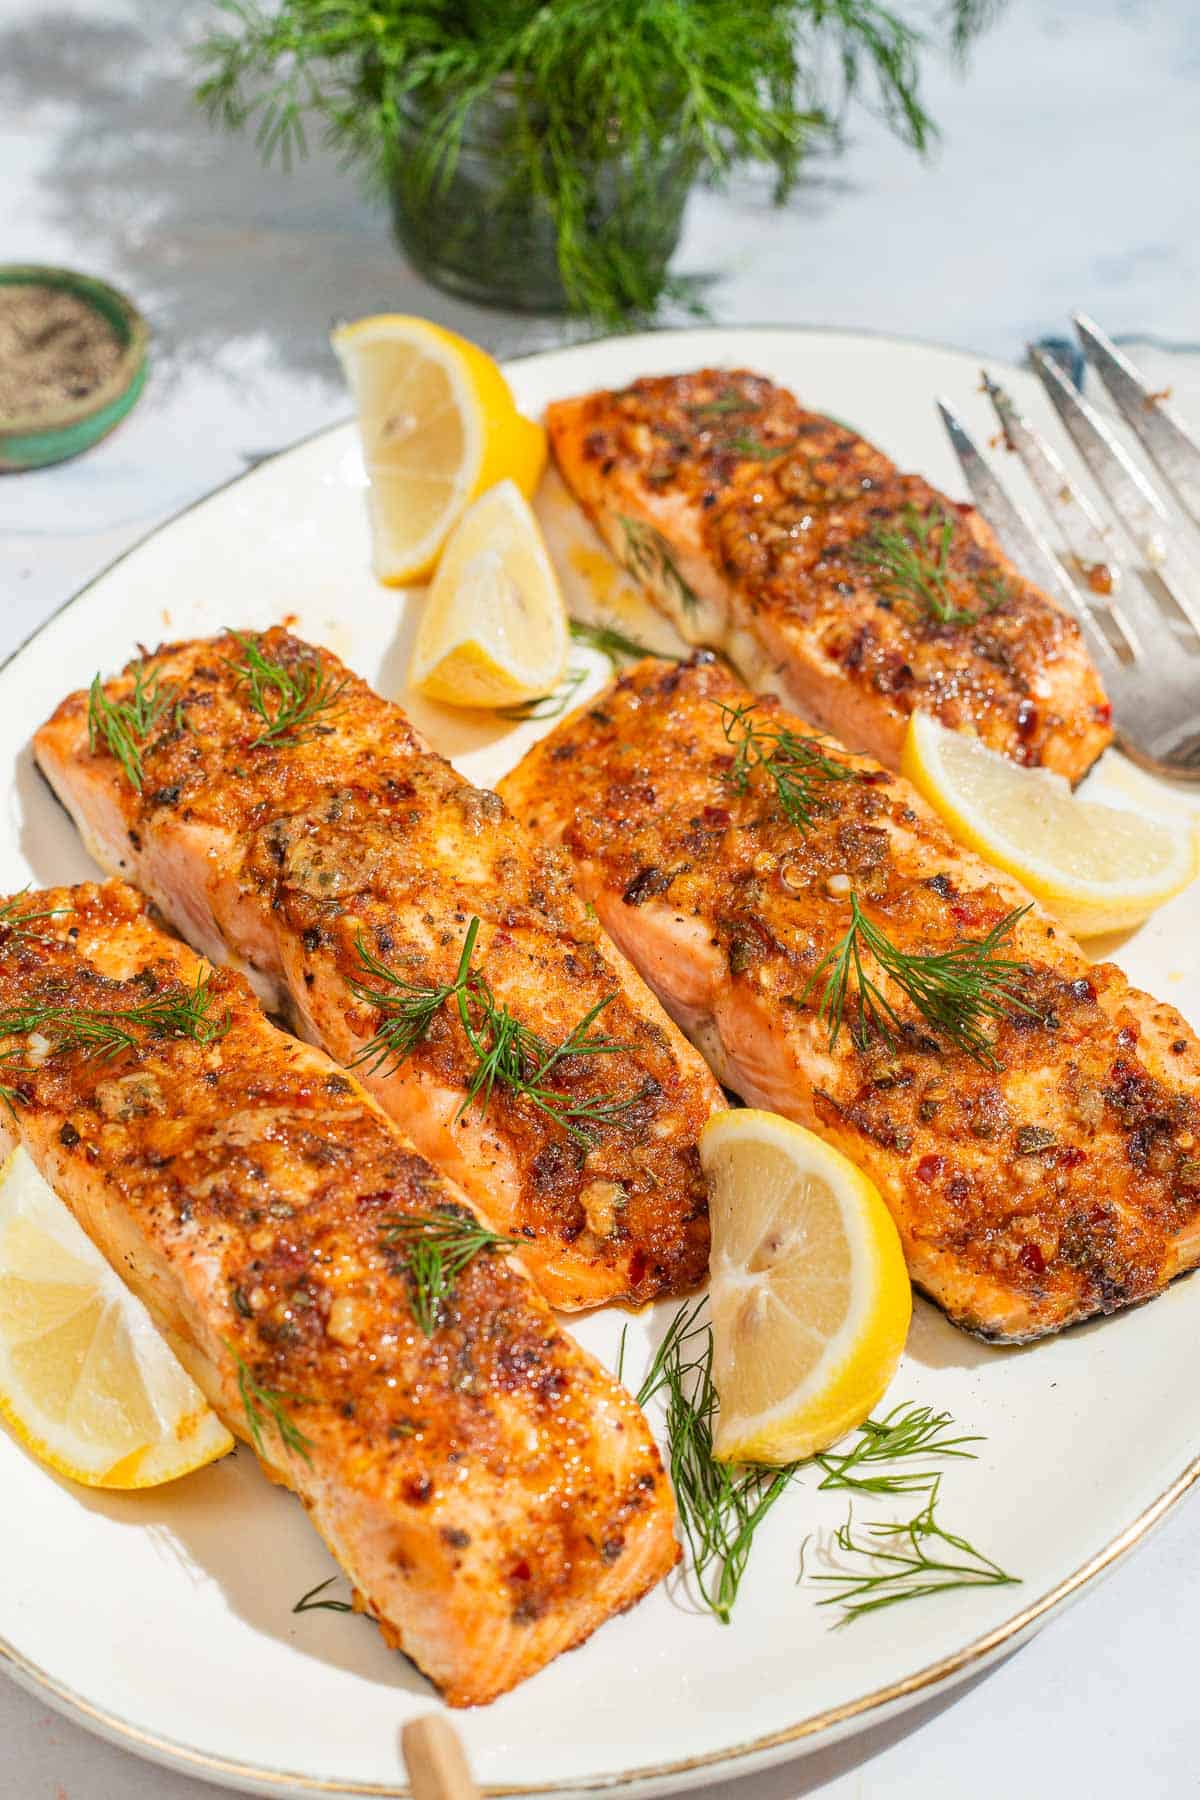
1089,540
1018,536
1163,436
1139,509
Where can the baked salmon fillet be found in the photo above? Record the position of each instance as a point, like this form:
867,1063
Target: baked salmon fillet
340,864
856,593
1041,1159
491,1492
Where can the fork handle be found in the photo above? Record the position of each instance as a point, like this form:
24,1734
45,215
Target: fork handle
436,1761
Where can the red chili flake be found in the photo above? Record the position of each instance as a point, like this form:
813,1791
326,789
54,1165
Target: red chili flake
1070,1157
929,1168
520,1571
1127,1035
1102,712
716,816
1031,1258
1027,719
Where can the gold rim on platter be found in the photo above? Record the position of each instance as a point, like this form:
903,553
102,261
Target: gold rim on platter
736,1760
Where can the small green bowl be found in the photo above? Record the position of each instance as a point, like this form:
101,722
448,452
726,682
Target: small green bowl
50,437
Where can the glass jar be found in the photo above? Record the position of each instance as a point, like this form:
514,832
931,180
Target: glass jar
487,233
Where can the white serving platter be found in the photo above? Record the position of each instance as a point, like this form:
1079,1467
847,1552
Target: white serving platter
163,1619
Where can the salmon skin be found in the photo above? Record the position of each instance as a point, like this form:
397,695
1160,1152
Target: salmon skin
1054,1177
491,1492
339,865
856,593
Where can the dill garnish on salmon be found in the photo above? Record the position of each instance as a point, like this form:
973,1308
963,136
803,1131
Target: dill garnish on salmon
491,1492
1031,1120
857,593
286,819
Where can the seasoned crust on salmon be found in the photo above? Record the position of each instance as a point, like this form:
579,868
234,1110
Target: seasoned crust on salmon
301,857
1063,1182
492,1493
757,526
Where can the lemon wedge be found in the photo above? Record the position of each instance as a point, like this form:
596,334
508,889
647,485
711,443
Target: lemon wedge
439,425
86,1382
809,1295
1096,868
494,630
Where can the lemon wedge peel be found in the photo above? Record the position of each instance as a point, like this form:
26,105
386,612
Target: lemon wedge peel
809,1297
1097,868
87,1384
494,629
439,426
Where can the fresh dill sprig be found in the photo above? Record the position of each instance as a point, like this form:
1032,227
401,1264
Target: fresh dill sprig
721,1506
547,706
912,562
648,558
798,766
435,1249
608,106
16,926
954,990
407,1009
907,1431
746,444
287,698
507,1053
309,1602
266,1410
10,1060
610,642
907,1562
727,402
104,1032
126,725
615,645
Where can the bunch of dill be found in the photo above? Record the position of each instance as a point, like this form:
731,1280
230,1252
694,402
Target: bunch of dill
597,83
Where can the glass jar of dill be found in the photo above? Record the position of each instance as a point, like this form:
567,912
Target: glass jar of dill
494,223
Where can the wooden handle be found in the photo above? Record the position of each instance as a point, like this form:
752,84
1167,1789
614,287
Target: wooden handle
436,1761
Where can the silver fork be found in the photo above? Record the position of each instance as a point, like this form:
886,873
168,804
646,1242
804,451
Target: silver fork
1132,579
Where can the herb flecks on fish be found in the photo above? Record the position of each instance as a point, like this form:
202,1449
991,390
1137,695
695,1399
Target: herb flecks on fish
288,697
648,558
266,1410
911,562
506,1053
435,1249
104,1032
17,922
798,767
126,726
955,991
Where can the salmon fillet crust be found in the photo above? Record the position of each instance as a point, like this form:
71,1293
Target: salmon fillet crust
857,593
1061,1182
491,1491
339,866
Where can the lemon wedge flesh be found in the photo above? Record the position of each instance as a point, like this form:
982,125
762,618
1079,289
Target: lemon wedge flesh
439,426
86,1382
494,629
1096,868
809,1296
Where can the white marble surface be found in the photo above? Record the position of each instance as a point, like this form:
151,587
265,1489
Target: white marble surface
1066,177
